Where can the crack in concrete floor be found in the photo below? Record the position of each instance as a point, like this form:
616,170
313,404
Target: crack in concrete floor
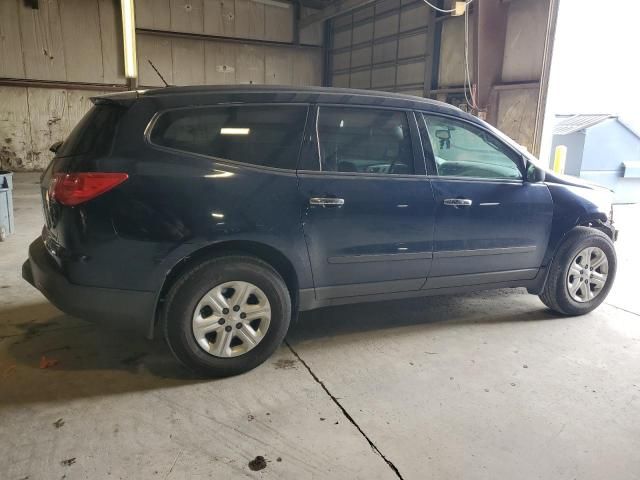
344,411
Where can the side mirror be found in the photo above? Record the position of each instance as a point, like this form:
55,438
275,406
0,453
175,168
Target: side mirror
535,174
55,147
444,138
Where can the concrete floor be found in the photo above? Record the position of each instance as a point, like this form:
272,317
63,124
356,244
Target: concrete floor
482,386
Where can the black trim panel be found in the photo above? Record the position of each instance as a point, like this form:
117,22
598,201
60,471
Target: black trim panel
483,251
371,288
533,285
385,257
480,278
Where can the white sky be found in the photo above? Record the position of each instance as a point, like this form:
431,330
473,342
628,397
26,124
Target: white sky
596,61
596,57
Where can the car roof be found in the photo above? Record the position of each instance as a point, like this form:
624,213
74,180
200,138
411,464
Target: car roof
323,91
212,94
258,88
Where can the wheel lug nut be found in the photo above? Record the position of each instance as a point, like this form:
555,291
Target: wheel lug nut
238,325
236,308
243,315
225,310
221,321
228,328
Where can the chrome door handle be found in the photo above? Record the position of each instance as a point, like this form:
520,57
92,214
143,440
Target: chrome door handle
326,201
457,202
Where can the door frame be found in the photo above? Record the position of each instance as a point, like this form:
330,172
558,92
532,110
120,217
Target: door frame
309,157
472,279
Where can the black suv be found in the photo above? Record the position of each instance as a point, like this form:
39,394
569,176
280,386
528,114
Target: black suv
211,215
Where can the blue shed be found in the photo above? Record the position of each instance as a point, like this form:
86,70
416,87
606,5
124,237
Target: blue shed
602,149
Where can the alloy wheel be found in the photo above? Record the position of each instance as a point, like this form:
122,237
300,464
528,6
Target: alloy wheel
231,319
587,275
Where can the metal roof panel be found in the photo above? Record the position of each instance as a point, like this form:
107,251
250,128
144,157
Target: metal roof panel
575,123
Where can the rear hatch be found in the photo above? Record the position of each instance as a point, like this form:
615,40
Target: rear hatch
74,166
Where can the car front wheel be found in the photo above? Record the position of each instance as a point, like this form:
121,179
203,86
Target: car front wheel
581,274
227,315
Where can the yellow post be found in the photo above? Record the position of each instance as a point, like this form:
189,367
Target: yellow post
559,159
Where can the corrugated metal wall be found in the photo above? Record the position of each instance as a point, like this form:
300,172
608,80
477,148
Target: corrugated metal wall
385,46
404,46
60,41
516,92
77,42
189,61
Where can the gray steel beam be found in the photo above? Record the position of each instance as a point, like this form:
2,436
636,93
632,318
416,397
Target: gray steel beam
200,36
491,26
317,4
333,10
544,79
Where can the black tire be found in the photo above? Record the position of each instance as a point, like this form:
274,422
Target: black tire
185,294
555,293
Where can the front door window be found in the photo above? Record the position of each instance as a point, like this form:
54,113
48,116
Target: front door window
462,150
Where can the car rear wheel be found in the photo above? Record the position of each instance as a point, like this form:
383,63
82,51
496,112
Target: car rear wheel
581,274
227,315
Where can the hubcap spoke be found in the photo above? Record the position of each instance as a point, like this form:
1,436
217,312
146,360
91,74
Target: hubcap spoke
223,343
599,261
206,325
216,301
221,321
242,292
256,313
598,280
249,336
575,270
573,287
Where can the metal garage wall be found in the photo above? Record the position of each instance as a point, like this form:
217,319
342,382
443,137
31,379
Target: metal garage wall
522,69
386,46
47,55
32,119
206,54
184,61
61,40
507,42
54,57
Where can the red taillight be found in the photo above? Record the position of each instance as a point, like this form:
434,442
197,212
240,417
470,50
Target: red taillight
75,188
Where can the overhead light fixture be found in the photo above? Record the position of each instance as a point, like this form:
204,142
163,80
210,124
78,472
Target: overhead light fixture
234,131
459,8
273,3
129,38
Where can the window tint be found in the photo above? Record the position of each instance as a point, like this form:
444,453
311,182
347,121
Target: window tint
461,150
94,134
265,135
364,140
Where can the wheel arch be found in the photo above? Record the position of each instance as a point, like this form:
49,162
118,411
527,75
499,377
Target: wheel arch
593,220
274,257
597,220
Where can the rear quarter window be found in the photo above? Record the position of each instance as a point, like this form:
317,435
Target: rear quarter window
258,135
93,136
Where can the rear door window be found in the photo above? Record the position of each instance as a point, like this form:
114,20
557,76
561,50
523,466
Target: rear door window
365,140
258,135
93,136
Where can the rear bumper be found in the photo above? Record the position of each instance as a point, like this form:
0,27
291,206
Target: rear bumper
118,308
